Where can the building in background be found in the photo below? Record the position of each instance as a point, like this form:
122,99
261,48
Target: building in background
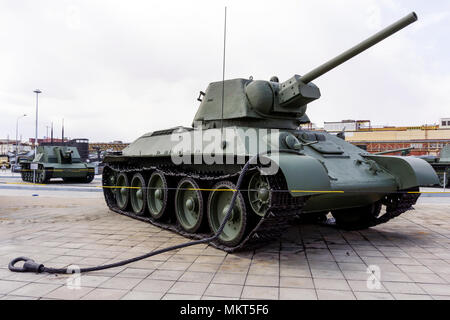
444,123
346,125
426,139
107,146
8,146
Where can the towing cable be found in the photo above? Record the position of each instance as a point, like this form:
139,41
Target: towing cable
31,266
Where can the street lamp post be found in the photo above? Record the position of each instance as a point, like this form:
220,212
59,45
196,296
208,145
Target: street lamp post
17,133
37,91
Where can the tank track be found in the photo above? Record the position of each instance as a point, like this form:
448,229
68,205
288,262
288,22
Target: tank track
283,211
284,208
396,204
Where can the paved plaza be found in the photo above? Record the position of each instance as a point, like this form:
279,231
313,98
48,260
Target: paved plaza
410,255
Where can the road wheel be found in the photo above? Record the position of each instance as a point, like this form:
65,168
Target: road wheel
259,194
89,177
137,193
189,205
122,191
157,195
218,205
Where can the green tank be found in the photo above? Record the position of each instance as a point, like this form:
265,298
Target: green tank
183,179
441,165
56,162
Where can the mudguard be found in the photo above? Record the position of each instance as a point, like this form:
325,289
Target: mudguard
304,175
409,171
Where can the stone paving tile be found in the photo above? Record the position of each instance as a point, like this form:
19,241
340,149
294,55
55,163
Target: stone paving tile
297,294
29,277
154,285
104,294
264,270
405,296
224,290
65,293
11,297
437,297
142,295
296,282
403,287
436,289
7,286
205,277
259,280
177,266
351,266
256,292
425,278
361,286
206,267
360,295
34,289
394,277
120,283
416,269
217,298
173,296
135,273
295,272
165,275
328,274
332,284
229,278
210,259
335,295
92,280
192,288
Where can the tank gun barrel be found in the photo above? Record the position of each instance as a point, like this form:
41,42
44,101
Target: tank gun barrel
357,49
393,150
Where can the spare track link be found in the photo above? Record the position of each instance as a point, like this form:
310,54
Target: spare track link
284,208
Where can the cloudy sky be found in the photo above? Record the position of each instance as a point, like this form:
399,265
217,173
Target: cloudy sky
117,69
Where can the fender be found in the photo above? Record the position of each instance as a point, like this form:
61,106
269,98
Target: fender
409,171
302,173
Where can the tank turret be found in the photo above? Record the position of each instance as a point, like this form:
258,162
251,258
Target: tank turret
279,105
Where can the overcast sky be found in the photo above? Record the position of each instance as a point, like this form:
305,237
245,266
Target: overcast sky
117,69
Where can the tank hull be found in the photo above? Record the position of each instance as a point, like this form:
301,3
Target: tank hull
317,174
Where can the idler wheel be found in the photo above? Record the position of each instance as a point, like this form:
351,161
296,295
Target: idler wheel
259,194
122,191
157,194
137,193
218,204
189,205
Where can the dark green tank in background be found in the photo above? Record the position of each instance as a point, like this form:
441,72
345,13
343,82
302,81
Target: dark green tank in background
318,172
56,162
